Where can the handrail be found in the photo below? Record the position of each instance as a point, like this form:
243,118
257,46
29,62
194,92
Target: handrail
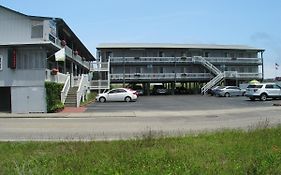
82,89
185,59
211,83
65,89
153,76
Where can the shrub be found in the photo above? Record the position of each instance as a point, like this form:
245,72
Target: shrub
53,93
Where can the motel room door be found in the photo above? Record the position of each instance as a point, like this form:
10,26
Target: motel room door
5,99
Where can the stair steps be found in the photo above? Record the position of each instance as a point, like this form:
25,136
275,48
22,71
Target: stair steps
71,99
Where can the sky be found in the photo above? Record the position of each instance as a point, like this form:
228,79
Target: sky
255,23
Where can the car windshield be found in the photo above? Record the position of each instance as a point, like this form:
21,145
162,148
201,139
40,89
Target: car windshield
254,86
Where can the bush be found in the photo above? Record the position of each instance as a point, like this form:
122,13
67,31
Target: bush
53,93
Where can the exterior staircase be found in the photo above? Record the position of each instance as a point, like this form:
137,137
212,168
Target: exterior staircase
217,79
71,98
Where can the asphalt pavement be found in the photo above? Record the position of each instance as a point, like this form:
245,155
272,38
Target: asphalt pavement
164,115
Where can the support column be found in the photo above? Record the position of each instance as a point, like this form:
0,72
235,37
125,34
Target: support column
147,89
173,87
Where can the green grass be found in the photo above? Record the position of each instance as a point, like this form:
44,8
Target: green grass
90,97
223,152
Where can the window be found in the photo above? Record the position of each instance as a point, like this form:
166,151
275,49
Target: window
37,29
161,54
275,86
269,86
206,54
1,62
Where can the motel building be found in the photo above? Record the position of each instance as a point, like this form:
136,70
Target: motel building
35,50
180,66
28,48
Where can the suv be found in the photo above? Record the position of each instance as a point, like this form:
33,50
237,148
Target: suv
263,91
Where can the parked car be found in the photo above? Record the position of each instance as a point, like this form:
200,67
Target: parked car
263,91
137,88
119,94
159,89
213,90
228,91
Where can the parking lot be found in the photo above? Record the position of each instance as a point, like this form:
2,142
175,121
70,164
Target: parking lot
179,103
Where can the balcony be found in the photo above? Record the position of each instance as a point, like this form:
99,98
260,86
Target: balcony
98,66
99,84
235,74
161,76
225,60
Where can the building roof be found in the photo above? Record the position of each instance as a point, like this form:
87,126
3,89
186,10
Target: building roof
174,46
82,48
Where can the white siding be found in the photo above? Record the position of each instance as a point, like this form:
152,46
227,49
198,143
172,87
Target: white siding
14,27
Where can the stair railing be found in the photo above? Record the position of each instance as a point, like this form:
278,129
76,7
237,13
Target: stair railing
82,89
212,83
207,64
65,89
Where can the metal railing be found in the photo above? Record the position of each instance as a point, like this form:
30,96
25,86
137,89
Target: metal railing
99,66
65,89
82,89
207,64
212,83
160,76
99,84
77,58
184,60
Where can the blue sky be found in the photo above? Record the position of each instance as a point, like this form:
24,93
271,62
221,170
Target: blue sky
255,23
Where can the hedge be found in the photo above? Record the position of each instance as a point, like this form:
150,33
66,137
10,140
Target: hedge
53,93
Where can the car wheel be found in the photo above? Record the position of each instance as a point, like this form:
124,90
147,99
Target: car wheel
102,99
252,98
263,97
128,99
243,94
227,94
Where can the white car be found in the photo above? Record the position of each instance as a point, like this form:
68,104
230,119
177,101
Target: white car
263,91
119,94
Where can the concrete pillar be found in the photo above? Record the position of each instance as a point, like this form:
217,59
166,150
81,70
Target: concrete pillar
147,89
173,87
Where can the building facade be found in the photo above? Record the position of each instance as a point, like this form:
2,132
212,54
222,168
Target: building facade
201,66
27,57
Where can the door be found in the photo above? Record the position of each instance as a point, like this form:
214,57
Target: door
113,95
272,90
5,94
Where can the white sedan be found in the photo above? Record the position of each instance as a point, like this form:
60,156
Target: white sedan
119,94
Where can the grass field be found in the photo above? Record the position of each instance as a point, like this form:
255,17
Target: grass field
223,152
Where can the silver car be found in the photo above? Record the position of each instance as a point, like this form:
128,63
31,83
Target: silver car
228,91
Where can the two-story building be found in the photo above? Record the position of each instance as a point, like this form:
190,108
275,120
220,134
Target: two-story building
191,65
27,57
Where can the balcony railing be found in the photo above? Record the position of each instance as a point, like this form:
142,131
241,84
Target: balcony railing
99,84
104,66
184,60
160,76
77,58
171,76
249,75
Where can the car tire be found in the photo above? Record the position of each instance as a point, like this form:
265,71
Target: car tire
102,99
263,97
243,94
227,94
252,98
128,99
